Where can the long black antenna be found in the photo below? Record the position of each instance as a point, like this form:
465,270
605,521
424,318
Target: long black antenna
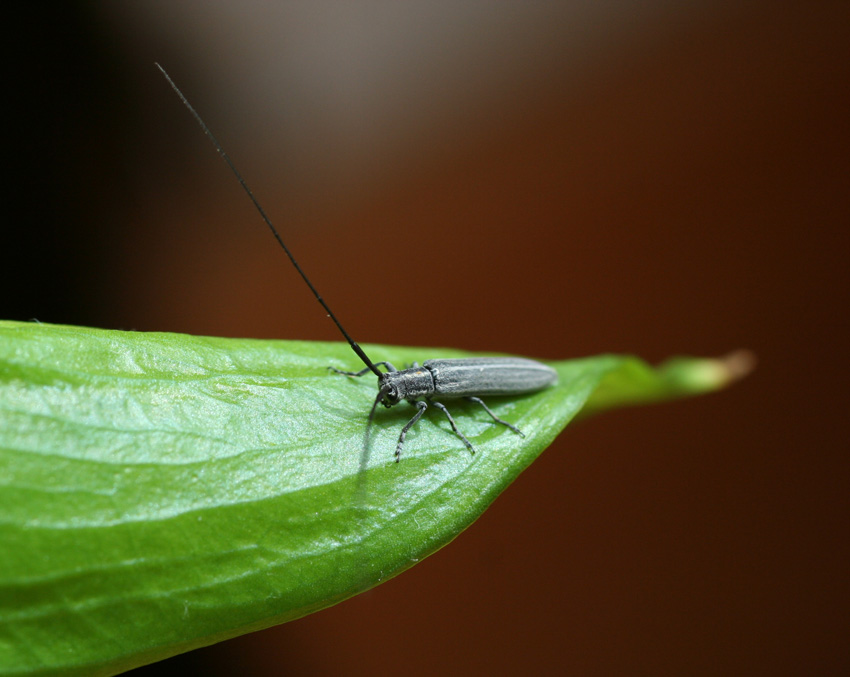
357,349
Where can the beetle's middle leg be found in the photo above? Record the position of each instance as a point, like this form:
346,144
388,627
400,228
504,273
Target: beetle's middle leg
388,366
463,439
478,400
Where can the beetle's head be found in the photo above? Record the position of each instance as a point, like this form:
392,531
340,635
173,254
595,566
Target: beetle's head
390,393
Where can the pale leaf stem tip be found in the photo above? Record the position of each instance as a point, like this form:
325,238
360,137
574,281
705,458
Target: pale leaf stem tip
738,364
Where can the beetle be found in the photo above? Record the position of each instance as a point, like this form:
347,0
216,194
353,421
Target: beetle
451,378
465,377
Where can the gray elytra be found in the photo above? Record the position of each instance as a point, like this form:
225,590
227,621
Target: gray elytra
467,377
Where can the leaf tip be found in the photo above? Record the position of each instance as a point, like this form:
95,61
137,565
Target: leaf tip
737,364
720,372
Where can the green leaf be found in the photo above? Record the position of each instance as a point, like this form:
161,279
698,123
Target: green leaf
161,492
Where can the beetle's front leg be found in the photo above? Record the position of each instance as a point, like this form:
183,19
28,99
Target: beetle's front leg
422,406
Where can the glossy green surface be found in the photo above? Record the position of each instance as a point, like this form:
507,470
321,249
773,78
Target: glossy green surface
160,492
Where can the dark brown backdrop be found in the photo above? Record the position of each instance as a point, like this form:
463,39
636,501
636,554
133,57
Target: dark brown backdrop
685,192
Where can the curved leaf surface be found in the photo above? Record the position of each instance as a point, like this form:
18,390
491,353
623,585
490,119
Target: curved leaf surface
160,492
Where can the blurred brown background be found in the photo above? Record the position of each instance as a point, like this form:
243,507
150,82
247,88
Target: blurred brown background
539,178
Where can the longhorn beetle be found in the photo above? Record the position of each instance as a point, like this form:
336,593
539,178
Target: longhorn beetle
465,378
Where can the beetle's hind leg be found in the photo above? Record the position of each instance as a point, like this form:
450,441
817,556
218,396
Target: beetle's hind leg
387,365
462,437
478,400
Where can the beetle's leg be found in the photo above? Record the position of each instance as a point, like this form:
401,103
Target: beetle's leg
463,439
422,406
496,418
362,371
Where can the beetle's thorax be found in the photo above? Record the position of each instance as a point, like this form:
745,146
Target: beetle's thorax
406,384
